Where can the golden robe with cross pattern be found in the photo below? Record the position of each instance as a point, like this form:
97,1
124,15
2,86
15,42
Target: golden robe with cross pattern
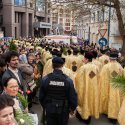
74,60
110,97
97,63
87,90
104,59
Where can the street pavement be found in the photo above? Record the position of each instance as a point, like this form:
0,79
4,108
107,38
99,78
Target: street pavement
73,121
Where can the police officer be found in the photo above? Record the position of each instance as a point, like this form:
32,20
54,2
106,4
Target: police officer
57,95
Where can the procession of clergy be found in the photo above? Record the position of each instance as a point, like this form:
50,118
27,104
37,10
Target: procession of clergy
91,69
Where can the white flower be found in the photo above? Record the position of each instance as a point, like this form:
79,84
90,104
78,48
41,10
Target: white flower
22,121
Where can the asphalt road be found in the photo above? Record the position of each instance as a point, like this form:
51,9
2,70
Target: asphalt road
73,121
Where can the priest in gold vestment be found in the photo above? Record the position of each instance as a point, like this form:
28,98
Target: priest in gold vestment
74,60
110,99
49,69
95,60
104,59
87,89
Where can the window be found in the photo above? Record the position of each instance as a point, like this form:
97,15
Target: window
15,32
20,2
67,28
67,20
1,4
98,15
61,20
68,15
61,10
67,24
1,19
93,17
60,15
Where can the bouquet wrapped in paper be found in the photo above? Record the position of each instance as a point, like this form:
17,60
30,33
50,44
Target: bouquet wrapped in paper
23,117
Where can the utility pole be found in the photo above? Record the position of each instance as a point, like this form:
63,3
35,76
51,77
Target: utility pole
46,14
46,9
109,22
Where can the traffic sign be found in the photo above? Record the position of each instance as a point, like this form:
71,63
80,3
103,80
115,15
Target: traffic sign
102,32
103,42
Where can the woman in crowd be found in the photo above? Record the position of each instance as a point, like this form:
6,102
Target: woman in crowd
11,88
6,110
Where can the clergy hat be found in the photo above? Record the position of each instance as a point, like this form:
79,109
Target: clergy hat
89,55
57,60
113,55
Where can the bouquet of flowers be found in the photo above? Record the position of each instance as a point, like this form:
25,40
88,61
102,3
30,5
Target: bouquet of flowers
23,99
24,118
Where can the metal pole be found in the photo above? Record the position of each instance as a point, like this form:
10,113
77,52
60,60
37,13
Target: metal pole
109,22
89,35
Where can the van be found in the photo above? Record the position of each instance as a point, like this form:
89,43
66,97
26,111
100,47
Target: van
61,39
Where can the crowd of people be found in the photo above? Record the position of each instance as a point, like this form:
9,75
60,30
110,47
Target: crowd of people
67,80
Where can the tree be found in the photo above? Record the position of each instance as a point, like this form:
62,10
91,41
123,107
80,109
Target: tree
82,7
117,6
12,46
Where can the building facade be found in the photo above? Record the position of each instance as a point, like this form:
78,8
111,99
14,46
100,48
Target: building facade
18,18
64,17
101,22
83,29
42,22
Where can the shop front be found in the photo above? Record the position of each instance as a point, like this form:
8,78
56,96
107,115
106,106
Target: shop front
41,29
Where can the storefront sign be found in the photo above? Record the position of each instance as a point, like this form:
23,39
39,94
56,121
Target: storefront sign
42,25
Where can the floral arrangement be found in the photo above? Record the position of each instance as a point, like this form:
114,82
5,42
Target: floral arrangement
24,118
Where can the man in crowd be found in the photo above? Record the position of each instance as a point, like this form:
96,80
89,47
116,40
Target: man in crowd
57,95
110,99
12,59
87,89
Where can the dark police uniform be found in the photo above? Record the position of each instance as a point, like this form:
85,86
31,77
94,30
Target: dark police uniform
58,97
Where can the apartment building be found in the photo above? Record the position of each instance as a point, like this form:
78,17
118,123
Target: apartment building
64,17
